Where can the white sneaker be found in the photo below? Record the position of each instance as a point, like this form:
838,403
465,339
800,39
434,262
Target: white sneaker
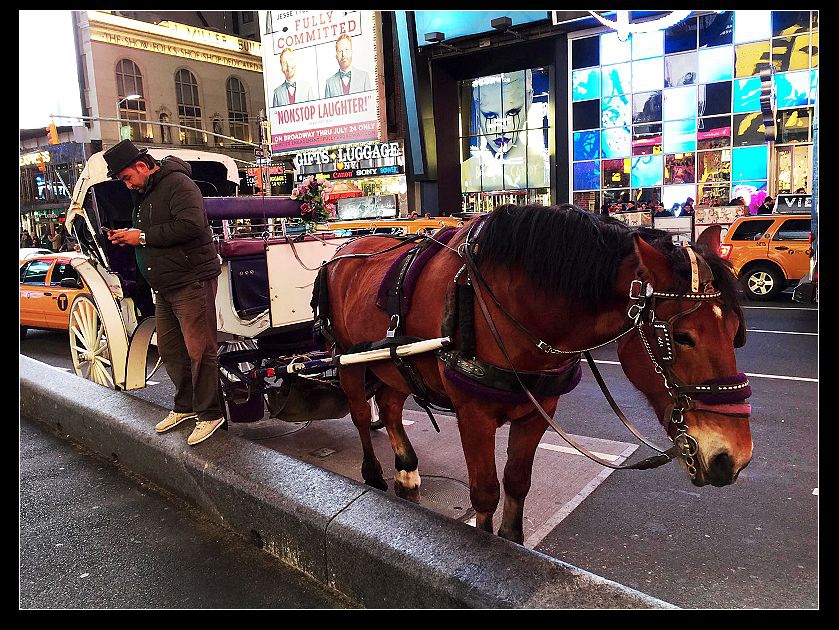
174,419
203,430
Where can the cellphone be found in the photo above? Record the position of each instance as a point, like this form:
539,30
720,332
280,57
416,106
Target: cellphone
106,231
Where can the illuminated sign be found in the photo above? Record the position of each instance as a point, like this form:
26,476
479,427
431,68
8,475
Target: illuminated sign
183,32
360,160
324,83
625,28
177,40
39,157
462,23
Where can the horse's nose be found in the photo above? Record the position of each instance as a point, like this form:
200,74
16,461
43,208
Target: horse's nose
721,470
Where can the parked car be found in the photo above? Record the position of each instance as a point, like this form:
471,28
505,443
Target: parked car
28,252
768,252
48,286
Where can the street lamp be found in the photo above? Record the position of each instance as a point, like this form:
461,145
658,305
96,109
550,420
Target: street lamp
130,97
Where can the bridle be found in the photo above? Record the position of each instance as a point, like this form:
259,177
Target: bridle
663,358
640,313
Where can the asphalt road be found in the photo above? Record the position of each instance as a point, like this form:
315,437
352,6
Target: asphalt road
750,545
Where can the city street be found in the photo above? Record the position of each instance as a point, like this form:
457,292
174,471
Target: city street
750,545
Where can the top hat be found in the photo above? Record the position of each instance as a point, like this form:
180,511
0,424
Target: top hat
121,156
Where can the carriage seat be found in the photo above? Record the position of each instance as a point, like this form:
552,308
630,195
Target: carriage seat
249,271
248,274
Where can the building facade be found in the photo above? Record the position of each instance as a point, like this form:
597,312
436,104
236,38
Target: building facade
548,107
138,73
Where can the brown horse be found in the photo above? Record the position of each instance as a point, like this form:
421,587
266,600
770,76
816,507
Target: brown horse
570,280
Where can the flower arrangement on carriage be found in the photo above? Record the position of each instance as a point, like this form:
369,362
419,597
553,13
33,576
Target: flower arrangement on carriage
314,197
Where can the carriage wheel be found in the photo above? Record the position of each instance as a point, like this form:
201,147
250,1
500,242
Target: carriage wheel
89,343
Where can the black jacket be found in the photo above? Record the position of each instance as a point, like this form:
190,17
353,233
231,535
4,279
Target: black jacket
179,244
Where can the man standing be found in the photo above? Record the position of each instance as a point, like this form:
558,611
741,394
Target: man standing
348,79
660,211
292,90
176,255
767,206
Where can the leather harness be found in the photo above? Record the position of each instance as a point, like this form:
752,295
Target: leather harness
514,386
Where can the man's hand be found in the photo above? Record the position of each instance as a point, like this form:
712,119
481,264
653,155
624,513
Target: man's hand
125,237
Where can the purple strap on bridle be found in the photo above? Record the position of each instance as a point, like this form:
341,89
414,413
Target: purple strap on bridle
726,398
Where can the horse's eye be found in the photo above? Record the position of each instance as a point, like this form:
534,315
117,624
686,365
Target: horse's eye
684,339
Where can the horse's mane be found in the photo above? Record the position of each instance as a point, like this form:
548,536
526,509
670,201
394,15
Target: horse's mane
724,279
572,251
562,248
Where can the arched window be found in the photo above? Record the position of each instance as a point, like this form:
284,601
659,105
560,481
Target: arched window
237,110
130,84
189,107
165,132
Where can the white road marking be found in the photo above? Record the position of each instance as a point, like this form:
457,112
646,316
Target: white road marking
783,378
548,526
573,451
781,332
784,308
750,375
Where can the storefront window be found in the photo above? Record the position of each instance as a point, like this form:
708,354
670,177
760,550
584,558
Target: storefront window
794,125
680,168
505,134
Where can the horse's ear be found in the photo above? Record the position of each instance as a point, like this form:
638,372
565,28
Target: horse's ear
653,266
710,239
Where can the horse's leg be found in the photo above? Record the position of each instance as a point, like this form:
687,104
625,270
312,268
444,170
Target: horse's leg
521,449
477,435
352,382
406,483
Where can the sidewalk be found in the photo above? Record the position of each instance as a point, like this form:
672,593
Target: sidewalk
93,538
318,522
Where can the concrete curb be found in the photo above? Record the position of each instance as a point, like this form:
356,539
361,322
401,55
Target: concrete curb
379,551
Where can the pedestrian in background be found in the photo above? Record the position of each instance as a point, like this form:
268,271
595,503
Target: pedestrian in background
26,239
767,206
57,239
687,208
660,211
175,253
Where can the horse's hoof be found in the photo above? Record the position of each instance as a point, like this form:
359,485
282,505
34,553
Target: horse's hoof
409,494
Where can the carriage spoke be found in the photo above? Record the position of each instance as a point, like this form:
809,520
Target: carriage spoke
104,375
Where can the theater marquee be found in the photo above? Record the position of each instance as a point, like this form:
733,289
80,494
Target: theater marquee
323,77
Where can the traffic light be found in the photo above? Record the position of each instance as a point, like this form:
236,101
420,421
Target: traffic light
53,134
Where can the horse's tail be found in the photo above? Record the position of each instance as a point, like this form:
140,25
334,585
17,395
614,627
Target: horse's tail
322,329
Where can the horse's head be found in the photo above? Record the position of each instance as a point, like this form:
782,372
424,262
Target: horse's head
682,356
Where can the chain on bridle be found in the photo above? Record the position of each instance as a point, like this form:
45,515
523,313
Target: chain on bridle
641,311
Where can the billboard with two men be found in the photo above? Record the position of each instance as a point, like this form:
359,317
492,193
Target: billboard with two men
323,77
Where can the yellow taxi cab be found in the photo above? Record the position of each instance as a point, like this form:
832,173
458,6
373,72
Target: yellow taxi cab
768,252
48,286
401,226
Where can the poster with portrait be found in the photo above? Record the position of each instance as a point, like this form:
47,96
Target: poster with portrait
323,78
508,132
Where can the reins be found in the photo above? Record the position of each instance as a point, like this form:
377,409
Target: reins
402,241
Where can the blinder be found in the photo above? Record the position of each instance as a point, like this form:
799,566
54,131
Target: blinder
663,335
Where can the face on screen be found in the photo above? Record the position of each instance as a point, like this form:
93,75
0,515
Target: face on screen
501,112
